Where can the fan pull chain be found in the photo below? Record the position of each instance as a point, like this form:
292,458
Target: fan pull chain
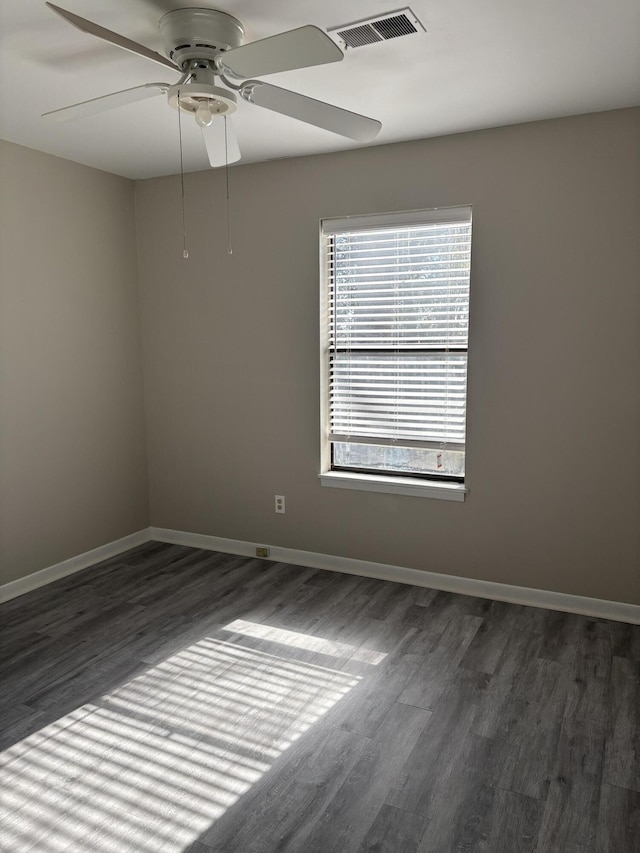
226,161
185,253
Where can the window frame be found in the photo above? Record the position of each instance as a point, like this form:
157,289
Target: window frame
420,484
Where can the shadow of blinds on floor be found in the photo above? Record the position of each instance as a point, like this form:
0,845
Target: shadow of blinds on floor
151,765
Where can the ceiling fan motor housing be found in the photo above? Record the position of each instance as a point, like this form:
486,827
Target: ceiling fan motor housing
199,34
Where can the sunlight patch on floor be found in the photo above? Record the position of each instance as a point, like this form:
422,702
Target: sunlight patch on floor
305,641
150,766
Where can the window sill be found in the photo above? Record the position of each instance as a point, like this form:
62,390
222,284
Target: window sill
394,485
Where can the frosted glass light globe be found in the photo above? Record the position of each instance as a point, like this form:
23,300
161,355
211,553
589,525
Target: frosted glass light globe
204,117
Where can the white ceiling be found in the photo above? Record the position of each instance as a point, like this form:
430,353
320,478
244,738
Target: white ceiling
481,63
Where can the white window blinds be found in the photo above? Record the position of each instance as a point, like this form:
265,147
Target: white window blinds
398,315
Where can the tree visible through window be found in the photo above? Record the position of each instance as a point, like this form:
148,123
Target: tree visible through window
396,314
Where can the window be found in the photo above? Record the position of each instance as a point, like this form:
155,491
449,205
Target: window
395,332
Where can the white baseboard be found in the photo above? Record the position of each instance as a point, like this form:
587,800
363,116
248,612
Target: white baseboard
73,564
598,607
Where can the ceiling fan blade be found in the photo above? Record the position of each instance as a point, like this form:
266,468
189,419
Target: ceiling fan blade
111,37
298,48
344,122
106,102
214,139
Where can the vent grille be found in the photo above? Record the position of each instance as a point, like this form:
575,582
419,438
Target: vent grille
397,25
359,36
402,22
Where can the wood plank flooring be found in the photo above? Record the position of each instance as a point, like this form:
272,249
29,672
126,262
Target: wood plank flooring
173,699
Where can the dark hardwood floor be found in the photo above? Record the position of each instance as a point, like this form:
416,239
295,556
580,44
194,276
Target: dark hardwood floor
173,699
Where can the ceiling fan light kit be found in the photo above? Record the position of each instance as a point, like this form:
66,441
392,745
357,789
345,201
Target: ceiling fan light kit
205,46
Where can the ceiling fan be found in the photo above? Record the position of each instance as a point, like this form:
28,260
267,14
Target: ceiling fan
205,47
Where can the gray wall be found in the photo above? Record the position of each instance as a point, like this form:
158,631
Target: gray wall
230,349
72,445
231,355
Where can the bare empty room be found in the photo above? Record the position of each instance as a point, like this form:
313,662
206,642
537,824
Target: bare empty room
319,427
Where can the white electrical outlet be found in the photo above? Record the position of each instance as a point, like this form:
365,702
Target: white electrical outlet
279,503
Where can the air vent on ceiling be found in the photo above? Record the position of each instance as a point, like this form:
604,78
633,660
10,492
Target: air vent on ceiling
401,22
